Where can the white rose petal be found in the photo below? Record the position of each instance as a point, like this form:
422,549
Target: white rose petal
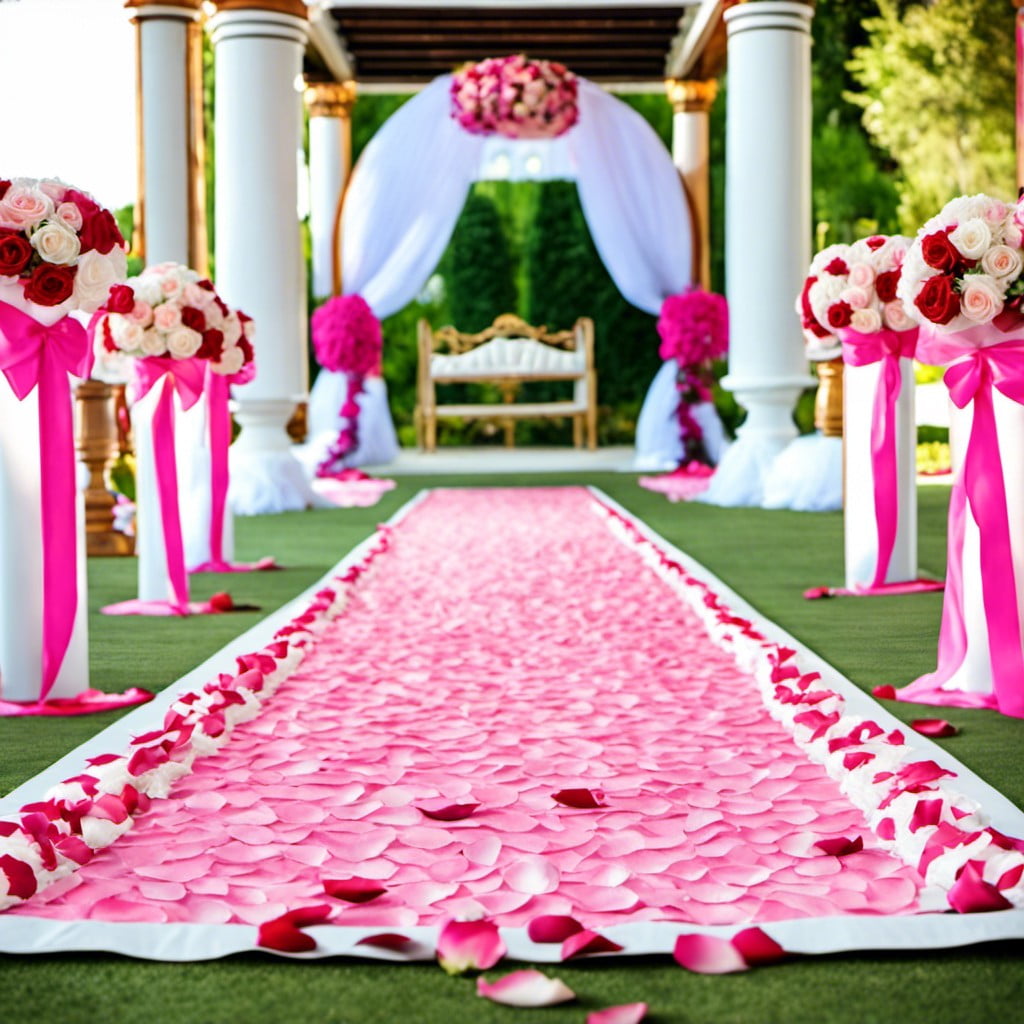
152,343
972,238
94,276
183,342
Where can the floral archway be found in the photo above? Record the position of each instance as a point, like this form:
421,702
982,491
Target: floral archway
410,184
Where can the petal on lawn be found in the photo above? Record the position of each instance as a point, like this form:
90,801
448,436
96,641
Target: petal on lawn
971,894
936,727
708,954
587,942
525,988
354,889
553,928
469,945
628,1013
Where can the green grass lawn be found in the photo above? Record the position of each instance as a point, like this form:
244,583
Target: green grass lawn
768,557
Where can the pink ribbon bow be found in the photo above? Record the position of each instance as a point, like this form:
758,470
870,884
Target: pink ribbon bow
184,376
980,486
887,347
34,354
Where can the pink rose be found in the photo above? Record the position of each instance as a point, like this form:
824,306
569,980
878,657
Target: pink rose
858,298
895,316
167,316
70,215
23,207
862,275
141,313
1001,261
981,299
866,321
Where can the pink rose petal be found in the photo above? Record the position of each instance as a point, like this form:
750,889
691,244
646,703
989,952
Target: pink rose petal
469,945
354,889
525,988
971,894
484,851
708,954
552,928
580,798
627,1013
534,875
938,728
586,943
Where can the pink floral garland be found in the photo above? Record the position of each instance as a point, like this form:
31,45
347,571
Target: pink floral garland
346,339
694,330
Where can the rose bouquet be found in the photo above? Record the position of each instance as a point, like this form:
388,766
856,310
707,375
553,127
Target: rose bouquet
694,330
347,340
964,268
58,244
178,315
515,97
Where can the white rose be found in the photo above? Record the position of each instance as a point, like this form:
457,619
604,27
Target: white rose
981,299
1001,261
127,335
94,276
196,296
183,342
167,316
232,328
231,361
152,343
972,237
148,290
866,321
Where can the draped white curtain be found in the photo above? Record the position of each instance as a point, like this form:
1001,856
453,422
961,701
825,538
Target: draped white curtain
410,185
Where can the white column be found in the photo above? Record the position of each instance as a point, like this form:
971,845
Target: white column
165,144
768,233
691,104
330,154
259,260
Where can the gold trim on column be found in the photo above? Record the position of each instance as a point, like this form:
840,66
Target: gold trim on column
188,5
693,96
343,101
333,99
296,8
198,244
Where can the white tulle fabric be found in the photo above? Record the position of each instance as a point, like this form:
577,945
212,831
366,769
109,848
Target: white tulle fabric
659,445
410,184
807,475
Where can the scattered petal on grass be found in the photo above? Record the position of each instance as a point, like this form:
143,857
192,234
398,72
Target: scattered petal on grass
469,945
553,928
354,889
708,954
937,728
840,846
885,691
580,798
585,943
628,1013
971,894
525,988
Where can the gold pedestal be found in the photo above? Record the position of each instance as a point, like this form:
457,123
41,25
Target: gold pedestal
97,443
828,402
298,425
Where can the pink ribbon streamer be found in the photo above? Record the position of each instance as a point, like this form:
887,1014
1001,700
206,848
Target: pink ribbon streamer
979,367
219,416
887,347
184,376
33,354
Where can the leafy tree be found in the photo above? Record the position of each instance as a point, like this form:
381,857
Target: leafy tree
938,82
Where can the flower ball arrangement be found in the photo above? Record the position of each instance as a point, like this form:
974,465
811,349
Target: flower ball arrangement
58,244
854,287
515,97
170,311
964,268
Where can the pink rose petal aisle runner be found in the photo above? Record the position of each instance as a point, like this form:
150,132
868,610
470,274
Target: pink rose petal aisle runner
515,705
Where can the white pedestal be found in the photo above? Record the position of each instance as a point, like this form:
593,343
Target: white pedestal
21,562
860,525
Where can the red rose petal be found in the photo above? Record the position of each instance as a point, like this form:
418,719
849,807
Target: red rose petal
445,810
21,879
580,798
886,692
388,940
585,943
553,928
354,889
757,947
840,846
935,727
971,894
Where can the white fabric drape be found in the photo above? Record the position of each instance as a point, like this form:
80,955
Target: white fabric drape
633,200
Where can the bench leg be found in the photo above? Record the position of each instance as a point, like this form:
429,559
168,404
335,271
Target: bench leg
577,431
429,432
592,429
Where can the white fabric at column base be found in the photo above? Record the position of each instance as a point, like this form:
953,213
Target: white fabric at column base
807,475
21,562
860,528
192,447
742,475
378,442
975,673
264,483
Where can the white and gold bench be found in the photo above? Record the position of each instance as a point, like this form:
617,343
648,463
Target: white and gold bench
508,354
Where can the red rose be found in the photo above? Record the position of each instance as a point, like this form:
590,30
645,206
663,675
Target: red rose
4,186
212,346
247,352
939,252
206,284
875,242
15,252
100,232
108,338
937,300
885,285
50,284
192,317
837,268
839,315
121,299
